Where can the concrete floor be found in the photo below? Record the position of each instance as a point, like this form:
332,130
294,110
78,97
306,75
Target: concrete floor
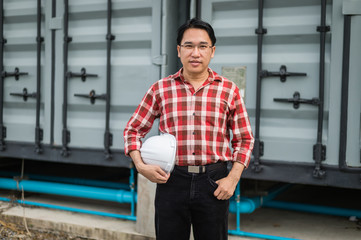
283,223
299,225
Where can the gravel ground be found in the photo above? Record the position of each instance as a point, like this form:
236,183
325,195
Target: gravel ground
10,231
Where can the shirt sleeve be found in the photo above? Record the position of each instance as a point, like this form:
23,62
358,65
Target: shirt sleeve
242,140
141,122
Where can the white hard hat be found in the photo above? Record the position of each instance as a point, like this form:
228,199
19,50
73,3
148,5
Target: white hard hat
160,150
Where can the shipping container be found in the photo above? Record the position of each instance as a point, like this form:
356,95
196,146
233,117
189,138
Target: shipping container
73,72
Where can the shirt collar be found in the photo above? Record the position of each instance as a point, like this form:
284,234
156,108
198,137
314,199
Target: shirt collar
213,76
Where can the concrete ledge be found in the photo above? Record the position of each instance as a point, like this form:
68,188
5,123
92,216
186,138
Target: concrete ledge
81,225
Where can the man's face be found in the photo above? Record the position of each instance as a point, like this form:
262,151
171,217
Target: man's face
195,51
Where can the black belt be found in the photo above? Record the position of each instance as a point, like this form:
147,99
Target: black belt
202,168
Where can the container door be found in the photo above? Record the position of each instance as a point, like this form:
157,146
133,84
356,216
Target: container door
22,76
292,44
136,31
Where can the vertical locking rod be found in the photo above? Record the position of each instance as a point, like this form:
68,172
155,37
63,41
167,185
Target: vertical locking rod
3,41
39,40
52,100
109,37
65,134
319,150
258,145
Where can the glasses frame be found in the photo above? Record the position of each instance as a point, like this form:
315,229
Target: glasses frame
196,46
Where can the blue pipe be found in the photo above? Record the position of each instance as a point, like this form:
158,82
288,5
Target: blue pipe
120,196
248,205
314,208
244,205
126,217
89,182
132,191
257,235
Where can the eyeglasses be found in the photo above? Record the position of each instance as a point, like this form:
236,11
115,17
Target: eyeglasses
201,47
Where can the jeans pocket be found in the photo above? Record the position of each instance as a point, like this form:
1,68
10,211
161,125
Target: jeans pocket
212,186
212,183
214,176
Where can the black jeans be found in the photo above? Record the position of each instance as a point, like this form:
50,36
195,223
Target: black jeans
187,198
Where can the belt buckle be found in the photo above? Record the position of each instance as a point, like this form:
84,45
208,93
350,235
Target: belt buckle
196,169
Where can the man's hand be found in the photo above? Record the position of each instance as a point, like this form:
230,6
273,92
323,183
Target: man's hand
227,185
152,173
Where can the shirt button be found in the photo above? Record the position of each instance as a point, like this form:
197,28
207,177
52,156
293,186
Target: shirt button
194,153
194,114
194,133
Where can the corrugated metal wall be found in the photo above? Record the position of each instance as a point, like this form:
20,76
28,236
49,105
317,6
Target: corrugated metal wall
20,31
138,56
291,40
136,26
289,134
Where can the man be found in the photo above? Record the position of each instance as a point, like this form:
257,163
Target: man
200,108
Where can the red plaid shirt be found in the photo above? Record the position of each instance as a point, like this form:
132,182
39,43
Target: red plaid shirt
200,120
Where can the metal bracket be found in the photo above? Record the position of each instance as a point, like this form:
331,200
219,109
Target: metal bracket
83,75
108,142
257,168
68,39
351,7
261,31
3,136
25,94
108,139
160,60
319,155
283,74
319,152
258,151
318,172
3,131
110,37
15,74
297,100
92,95
39,134
65,139
323,28
39,39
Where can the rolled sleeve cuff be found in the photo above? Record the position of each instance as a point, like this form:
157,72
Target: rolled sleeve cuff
130,148
242,158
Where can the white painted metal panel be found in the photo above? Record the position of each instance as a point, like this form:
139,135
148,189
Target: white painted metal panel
136,27
20,31
139,57
292,40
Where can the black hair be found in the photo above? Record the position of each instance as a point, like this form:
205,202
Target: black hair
196,23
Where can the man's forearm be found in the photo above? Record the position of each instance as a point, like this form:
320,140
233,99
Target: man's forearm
236,171
151,172
227,185
137,159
